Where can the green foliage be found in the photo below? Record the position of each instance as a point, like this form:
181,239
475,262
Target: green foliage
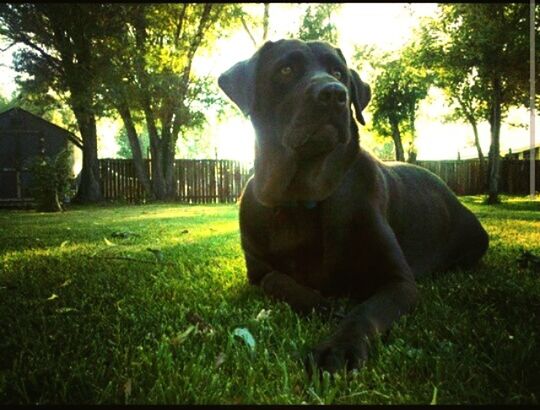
124,150
4,104
51,180
317,23
399,87
149,78
252,20
58,54
481,55
60,66
467,46
83,325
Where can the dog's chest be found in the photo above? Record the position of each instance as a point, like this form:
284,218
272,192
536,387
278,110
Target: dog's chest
292,228
296,242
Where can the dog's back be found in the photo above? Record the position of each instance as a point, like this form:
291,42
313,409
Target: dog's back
435,231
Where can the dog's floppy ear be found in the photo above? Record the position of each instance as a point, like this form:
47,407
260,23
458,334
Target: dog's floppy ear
238,82
361,94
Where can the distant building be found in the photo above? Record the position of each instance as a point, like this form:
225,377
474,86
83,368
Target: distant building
523,153
24,135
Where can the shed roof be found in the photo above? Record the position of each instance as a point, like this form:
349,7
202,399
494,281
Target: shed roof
17,111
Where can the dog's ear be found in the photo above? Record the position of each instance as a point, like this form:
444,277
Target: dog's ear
238,82
361,94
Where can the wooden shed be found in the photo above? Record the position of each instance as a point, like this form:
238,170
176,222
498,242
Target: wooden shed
24,135
524,153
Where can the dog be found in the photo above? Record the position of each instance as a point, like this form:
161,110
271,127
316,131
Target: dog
323,218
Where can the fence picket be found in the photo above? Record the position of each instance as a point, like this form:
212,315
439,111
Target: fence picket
222,181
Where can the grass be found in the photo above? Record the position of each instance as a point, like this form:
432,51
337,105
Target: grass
79,324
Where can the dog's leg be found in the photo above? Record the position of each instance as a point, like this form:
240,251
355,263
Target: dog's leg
283,287
395,293
301,298
349,345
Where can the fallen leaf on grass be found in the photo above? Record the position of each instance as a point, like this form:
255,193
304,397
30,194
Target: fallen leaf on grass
177,340
66,282
66,310
127,389
198,321
246,336
220,359
109,243
434,397
263,314
123,234
157,253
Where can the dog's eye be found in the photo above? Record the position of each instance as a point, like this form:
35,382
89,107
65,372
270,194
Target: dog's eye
286,71
336,73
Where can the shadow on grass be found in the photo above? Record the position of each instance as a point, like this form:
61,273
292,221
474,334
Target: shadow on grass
527,206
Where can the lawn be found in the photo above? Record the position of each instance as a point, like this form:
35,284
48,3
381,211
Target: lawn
139,304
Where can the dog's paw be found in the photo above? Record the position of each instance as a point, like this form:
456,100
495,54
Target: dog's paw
334,356
301,299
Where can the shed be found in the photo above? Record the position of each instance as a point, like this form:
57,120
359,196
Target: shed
24,135
524,152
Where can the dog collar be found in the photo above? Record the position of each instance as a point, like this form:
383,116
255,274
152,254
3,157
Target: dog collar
305,204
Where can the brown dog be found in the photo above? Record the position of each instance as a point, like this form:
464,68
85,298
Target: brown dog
321,217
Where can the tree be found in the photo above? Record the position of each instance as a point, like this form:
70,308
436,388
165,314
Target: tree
481,55
150,77
5,104
248,20
124,149
317,23
458,82
397,90
59,40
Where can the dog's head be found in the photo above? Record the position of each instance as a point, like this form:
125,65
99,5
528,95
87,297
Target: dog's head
299,96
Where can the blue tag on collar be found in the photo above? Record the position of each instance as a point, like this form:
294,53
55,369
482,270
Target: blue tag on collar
309,204
305,204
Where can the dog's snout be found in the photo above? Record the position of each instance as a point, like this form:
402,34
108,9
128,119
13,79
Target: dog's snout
332,95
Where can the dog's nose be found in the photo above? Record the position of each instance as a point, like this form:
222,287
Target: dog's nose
332,95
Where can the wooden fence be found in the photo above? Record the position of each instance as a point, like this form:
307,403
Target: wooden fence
197,181
467,177
222,181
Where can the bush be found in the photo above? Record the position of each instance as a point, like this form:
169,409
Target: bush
51,179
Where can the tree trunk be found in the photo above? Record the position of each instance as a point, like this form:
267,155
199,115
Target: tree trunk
396,136
89,190
477,141
135,146
266,21
50,202
477,145
168,149
156,148
158,177
494,151
469,114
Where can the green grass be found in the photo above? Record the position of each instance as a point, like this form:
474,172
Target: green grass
78,324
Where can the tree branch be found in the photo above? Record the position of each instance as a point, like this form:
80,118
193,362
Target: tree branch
52,60
8,47
247,30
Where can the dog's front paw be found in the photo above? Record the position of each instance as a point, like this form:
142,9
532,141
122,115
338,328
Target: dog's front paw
300,298
335,355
